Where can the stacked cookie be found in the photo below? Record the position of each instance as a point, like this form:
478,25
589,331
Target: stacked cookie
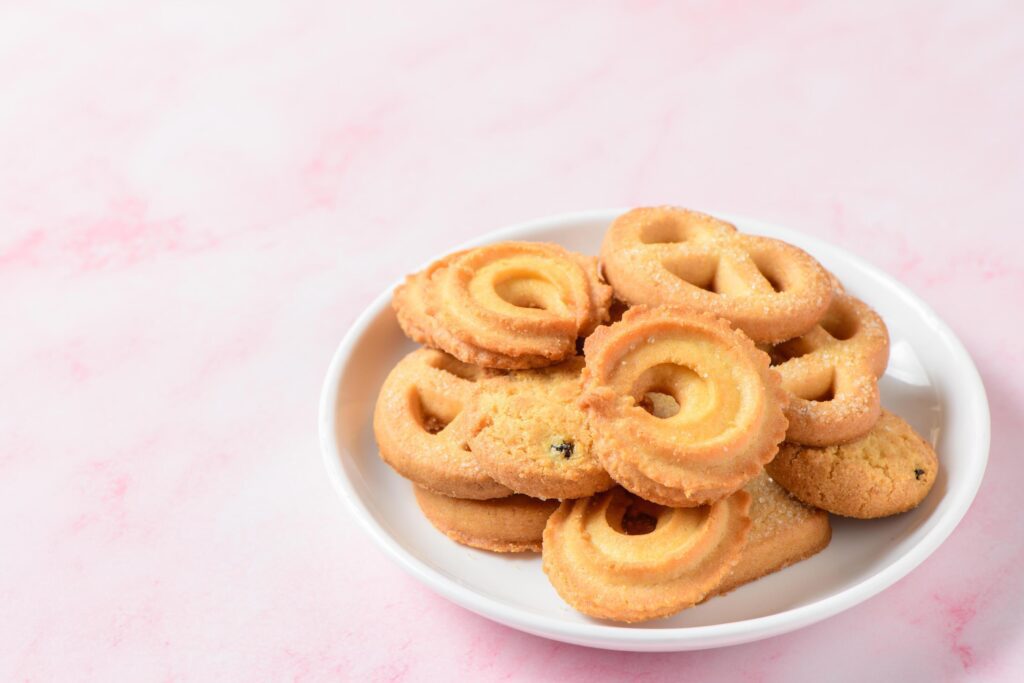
648,469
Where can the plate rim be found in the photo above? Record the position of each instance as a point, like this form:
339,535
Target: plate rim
602,635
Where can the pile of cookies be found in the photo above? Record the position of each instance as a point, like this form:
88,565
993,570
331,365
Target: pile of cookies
664,424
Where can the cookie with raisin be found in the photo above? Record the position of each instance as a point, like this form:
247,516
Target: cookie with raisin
530,434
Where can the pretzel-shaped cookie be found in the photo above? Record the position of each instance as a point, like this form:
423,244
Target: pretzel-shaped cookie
511,305
422,428
684,408
771,290
616,556
831,374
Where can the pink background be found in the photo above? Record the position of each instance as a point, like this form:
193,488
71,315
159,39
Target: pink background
197,199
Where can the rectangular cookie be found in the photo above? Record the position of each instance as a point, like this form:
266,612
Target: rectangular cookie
784,532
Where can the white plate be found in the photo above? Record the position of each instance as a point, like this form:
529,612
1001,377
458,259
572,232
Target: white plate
931,382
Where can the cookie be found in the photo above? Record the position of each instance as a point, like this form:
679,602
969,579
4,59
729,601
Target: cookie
831,374
783,532
684,409
422,429
513,524
417,320
771,290
616,556
530,434
889,470
511,305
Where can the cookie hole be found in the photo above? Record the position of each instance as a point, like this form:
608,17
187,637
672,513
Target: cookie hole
698,274
527,291
664,390
769,273
827,395
616,310
433,413
636,523
453,366
663,231
660,404
794,348
433,424
707,286
814,384
918,473
635,516
839,325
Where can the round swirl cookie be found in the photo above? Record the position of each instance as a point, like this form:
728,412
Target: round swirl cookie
888,471
684,409
771,290
513,524
530,434
616,556
510,305
422,428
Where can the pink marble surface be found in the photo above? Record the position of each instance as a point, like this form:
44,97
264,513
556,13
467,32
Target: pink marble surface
198,198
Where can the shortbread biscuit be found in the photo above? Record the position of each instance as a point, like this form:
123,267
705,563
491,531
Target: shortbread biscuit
666,255
783,532
417,319
889,470
510,305
513,524
422,428
684,409
530,434
831,374
616,556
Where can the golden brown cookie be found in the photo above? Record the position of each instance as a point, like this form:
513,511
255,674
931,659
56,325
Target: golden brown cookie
421,427
889,470
667,255
510,305
513,524
416,319
831,374
784,531
684,409
616,556
530,434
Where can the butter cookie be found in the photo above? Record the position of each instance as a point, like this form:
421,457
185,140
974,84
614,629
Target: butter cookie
771,290
684,409
783,531
510,305
513,524
616,556
530,434
422,428
888,471
831,374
